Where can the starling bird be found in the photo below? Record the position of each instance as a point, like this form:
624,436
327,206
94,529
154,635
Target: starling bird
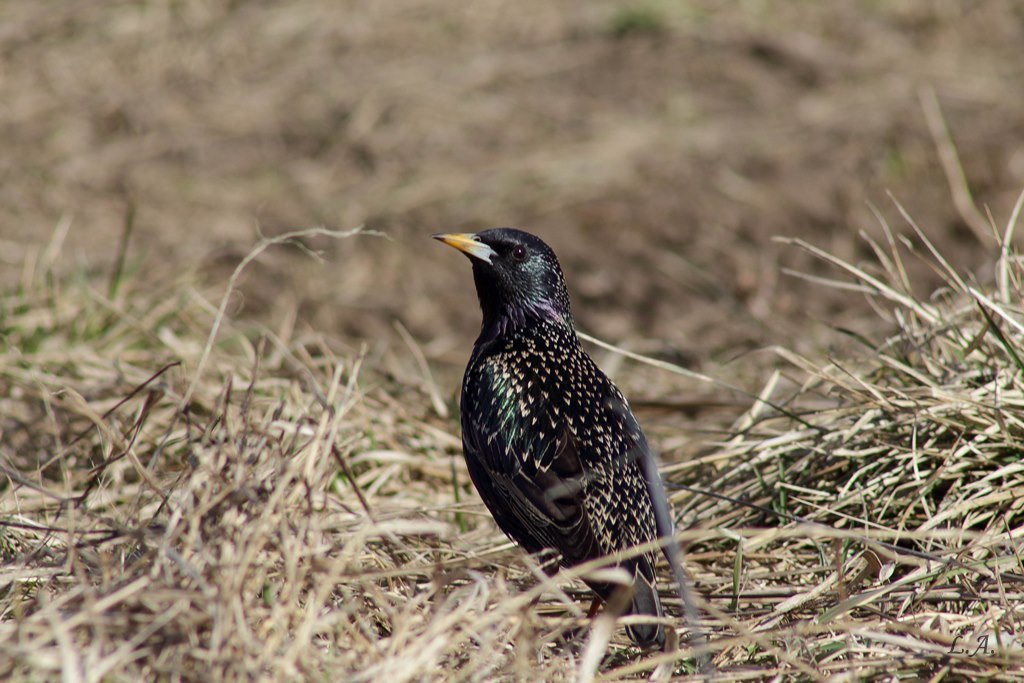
551,444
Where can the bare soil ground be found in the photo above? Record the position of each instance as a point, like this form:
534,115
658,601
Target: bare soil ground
660,148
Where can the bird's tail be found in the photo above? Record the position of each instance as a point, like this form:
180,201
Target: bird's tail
647,603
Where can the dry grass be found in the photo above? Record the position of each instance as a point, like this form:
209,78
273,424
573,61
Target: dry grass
280,504
306,514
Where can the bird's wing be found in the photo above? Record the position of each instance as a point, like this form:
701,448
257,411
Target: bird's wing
535,486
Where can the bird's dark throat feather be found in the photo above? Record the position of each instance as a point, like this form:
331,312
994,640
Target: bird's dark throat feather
503,314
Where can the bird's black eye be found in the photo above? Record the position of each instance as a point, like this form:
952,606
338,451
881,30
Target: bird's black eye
519,253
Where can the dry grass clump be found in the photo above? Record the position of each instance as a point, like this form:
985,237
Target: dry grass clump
897,476
305,513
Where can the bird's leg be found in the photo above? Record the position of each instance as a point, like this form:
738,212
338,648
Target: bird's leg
574,636
594,606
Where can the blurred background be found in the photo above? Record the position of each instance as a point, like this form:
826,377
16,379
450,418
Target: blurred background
657,146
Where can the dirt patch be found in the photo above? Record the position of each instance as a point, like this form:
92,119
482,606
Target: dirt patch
659,149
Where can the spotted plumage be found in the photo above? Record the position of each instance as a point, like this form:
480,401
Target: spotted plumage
550,442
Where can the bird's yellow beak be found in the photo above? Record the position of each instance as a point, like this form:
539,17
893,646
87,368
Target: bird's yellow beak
467,243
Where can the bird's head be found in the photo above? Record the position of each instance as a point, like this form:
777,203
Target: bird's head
518,279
